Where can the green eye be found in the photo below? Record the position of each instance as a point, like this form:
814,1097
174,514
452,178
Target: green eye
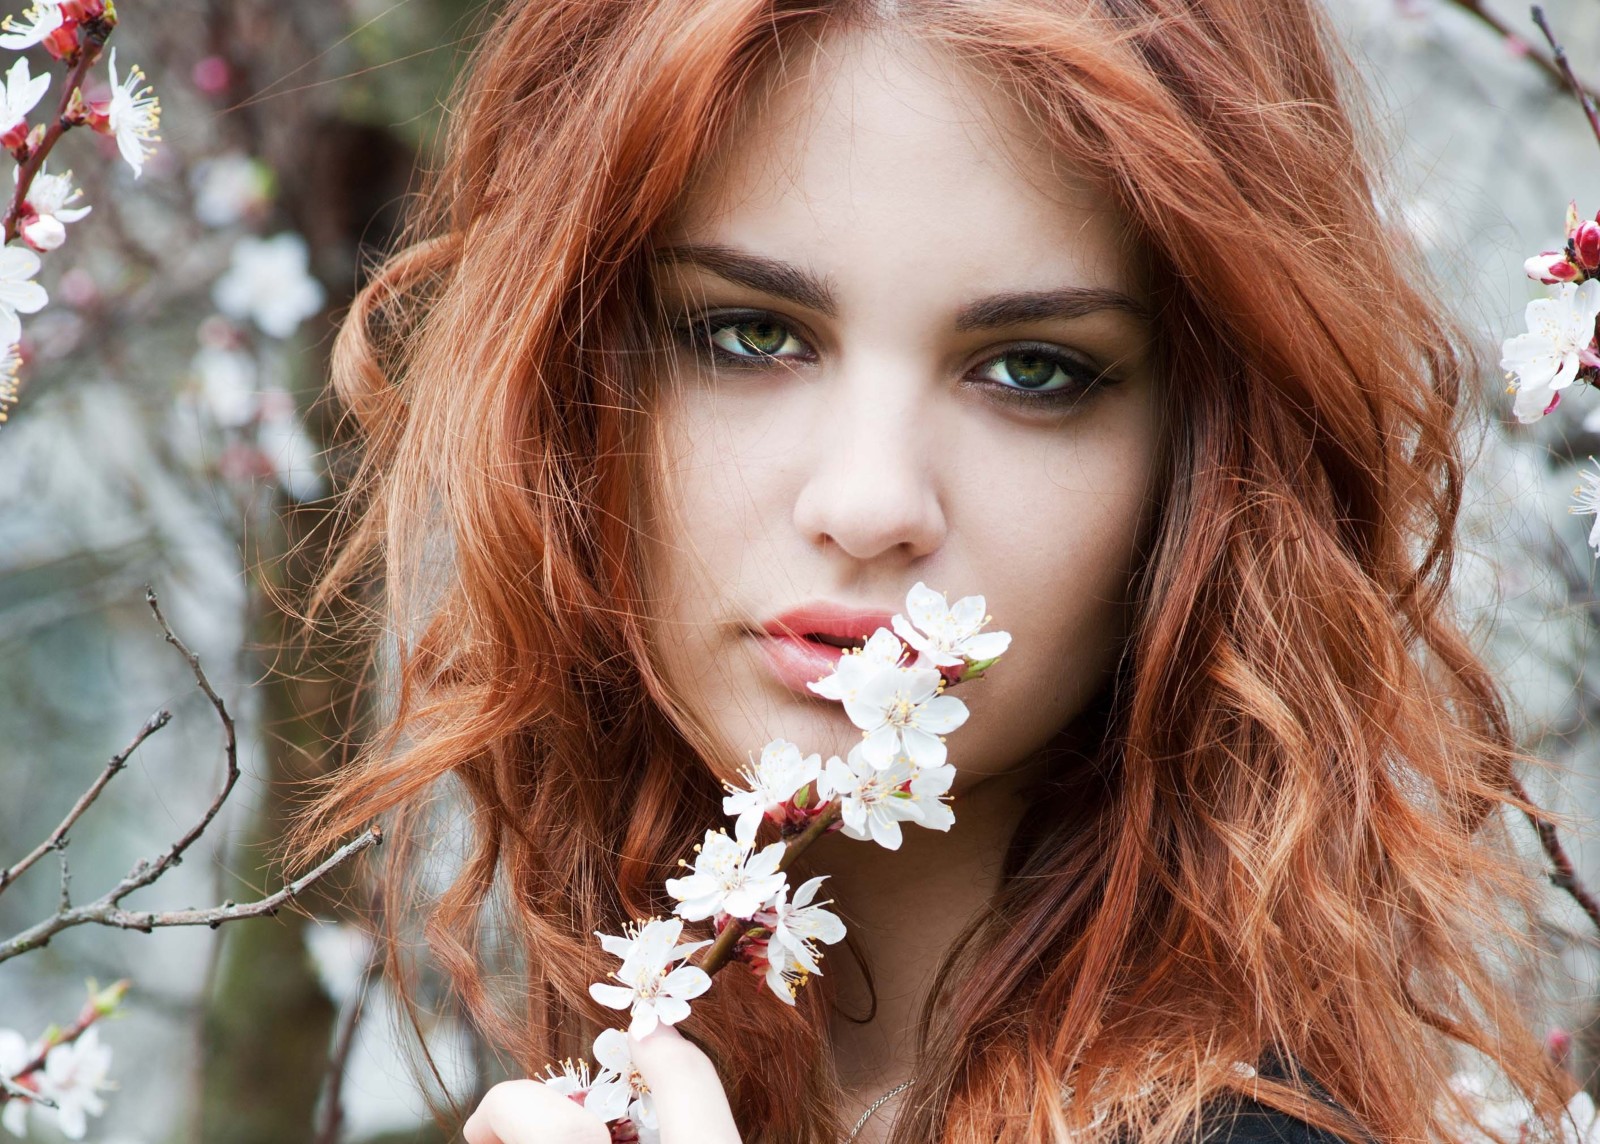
757,337
1030,370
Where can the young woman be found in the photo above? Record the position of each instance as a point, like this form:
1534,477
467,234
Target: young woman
727,319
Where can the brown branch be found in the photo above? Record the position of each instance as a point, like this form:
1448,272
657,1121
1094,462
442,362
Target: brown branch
88,52
119,760
330,1130
1505,31
1585,96
106,912
1563,875
722,949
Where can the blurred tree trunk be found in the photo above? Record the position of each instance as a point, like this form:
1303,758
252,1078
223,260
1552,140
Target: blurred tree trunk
269,1023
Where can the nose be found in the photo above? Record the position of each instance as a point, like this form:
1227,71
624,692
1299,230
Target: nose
873,485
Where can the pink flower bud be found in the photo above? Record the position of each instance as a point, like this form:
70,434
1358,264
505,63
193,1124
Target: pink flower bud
16,136
98,115
1550,267
84,9
212,75
44,232
1586,241
63,42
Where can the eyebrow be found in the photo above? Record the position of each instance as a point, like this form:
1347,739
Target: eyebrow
768,275
802,287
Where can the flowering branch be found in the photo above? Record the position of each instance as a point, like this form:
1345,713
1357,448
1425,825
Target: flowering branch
95,34
101,1003
898,773
1564,70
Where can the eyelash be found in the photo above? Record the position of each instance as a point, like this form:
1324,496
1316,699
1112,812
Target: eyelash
697,334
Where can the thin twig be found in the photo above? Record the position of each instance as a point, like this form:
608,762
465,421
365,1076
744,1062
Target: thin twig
230,748
1564,876
12,1091
1585,96
66,876
106,912
1543,62
119,760
331,1128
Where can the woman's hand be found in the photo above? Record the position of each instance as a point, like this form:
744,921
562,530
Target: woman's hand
691,1107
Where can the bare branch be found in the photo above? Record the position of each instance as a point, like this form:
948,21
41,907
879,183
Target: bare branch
331,1128
106,911
66,876
1585,96
146,872
1540,60
157,721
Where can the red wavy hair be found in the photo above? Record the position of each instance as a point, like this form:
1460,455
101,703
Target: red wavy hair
1283,832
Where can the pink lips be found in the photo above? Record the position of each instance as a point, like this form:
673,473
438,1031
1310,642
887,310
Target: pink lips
796,660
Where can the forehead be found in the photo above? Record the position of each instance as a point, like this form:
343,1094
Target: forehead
870,145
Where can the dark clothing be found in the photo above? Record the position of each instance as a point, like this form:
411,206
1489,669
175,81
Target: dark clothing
1247,1122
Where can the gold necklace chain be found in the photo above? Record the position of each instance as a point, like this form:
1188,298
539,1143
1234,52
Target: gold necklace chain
874,1106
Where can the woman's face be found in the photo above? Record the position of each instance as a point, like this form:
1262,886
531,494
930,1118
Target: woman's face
915,350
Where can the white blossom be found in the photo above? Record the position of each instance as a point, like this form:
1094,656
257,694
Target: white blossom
230,187
728,877
1586,499
15,1053
42,18
73,1075
50,198
22,93
902,710
612,1051
1545,360
773,781
605,1094
948,635
133,115
871,803
650,987
268,282
882,650
18,292
799,924
1501,1114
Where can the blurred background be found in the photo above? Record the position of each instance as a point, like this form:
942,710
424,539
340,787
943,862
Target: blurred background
171,430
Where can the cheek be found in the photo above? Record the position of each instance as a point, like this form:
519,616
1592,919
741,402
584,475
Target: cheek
1054,547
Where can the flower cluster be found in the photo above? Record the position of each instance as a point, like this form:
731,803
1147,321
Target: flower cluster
1559,346
1486,1112
893,689
64,1071
42,203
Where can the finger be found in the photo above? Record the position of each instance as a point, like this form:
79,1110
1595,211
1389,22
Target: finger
691,1106
528,1112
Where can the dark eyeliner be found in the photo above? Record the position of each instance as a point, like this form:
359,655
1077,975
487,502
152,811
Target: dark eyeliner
695,331
1086,378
